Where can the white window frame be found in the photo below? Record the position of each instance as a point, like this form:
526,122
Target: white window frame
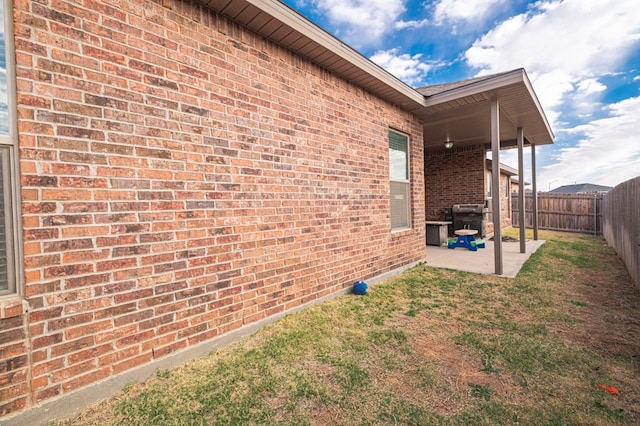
10,167
400,187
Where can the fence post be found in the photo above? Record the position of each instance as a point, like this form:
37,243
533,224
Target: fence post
595,214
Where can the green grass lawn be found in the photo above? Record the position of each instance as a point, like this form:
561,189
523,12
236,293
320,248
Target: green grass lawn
429,347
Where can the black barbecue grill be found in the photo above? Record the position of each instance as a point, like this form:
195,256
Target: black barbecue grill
470,216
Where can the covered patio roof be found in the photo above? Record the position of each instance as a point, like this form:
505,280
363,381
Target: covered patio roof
461,112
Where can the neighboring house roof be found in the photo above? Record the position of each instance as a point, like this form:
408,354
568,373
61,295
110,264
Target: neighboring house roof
516,181
508,171
504,169
458,110
581,188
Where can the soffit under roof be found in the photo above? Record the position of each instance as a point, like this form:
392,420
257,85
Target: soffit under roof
458,111
461,111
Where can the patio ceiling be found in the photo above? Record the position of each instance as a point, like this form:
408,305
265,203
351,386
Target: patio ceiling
461,112
457,111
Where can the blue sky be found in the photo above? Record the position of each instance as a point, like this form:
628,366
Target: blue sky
582,56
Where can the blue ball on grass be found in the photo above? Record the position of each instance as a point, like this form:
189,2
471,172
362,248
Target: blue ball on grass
360,288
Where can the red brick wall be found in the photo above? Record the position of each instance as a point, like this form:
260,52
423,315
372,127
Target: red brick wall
455,176
459,176
182,177
14,365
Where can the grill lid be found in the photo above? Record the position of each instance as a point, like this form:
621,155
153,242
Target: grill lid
467,208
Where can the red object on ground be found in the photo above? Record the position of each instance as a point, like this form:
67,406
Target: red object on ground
609,389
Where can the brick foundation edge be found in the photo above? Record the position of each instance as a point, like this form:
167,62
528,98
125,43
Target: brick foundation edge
72,403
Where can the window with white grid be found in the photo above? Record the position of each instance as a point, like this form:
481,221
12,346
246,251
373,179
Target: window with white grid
400,184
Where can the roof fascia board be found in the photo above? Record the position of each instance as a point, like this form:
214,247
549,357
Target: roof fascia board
535,100
471,89
297,22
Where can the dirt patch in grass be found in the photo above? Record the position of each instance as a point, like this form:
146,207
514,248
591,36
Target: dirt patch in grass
457,370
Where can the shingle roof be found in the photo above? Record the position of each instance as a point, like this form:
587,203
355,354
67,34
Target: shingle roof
436,89
581,188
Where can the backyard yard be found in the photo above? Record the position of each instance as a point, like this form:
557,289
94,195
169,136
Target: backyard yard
557,345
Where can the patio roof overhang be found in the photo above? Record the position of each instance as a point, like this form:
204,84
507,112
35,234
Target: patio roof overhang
461,112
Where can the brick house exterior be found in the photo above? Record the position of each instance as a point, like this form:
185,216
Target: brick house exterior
181,177
454,176
185,171
462,176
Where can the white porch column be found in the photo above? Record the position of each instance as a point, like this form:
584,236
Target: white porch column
495,185
534,188
521,194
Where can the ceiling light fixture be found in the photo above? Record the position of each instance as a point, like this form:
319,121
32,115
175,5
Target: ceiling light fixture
448,144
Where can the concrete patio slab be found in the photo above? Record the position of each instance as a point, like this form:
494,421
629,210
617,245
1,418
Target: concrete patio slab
482,261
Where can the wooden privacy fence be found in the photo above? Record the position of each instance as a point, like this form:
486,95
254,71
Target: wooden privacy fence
561,212
622,224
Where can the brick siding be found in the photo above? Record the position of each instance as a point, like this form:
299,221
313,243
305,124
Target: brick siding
14,356
459,176
455,176
182,177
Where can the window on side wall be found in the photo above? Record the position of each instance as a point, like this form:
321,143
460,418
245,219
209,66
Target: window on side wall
400,184
8,158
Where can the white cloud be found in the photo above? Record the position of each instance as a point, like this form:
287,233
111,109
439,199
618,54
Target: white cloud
565,46
361,22
607,153
408,68
587,96
579,37
401,25
463,10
